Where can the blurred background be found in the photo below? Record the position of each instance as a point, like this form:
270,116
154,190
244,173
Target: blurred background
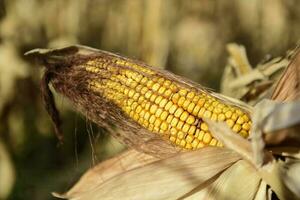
186,37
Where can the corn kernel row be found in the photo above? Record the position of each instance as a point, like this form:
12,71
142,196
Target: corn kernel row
164,106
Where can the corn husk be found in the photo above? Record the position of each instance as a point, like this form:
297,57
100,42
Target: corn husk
253,168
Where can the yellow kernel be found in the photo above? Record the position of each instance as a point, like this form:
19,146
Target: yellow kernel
136,117
228,114
236,128
207,114
240,120
167,83
177,141
184,116
215,103
186,103
191,107
131,93
182,143
196,110
158,112
180,124
201,135
200,145
214,117
168,93
150,127
239,112
196,99
225,109
141,99
173,131
173,109
150,84
190,95
169,118
210,108
195,143
217,110
234,116
147,105
181,101
190,119
201,102
246,126
147,116
153,97
138,109
152,119
163,102
230,122
173,88
204,126
206,105
172,139
221,117
157,122
144,80
158,99
188,146
175,98
174,121
161,90
182,92
136,96
178,112
156,129
153,109
207,138
246,118
189,139
213,142
168,105
181,135
192,130
138,88
164,115
201,112
148,94
185,128
143,90
134,105
244,133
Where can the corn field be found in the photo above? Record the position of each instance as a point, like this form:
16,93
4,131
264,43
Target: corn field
149,99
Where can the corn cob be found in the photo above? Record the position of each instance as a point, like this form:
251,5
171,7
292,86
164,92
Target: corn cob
162,105
144,102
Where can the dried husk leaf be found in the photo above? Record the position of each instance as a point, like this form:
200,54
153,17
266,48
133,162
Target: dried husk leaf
125,161
287,88
240,181
253,85
173,177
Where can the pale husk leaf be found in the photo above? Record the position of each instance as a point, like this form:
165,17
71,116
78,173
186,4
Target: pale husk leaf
125,161
172,177
240,181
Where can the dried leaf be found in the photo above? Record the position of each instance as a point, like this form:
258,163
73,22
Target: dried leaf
172,177
240,181
119,164
287,88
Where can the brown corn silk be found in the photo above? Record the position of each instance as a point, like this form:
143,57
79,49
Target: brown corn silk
142,106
